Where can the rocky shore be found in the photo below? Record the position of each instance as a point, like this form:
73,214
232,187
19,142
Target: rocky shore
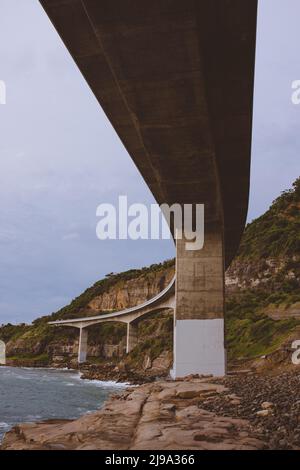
121,372
270,403
246,411
159,415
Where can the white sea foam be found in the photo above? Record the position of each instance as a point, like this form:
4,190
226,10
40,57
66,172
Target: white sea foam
33,418
38,398
104,383
4,425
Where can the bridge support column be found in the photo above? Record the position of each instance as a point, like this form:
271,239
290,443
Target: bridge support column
82,346
199,310
2,353
132,336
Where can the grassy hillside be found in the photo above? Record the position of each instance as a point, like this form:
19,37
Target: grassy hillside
277,232
249,331
269,250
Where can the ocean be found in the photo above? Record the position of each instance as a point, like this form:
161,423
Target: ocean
34,394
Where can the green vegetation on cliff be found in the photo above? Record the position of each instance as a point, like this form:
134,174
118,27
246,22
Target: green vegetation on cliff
249,332
277,232
270,253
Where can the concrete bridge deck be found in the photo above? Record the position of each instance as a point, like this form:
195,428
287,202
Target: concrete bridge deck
175,78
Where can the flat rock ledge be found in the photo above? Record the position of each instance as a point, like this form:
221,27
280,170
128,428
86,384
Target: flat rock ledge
156,416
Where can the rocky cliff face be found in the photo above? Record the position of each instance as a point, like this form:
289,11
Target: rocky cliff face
133,292
268,273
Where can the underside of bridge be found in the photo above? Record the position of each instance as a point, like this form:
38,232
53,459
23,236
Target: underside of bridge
175,78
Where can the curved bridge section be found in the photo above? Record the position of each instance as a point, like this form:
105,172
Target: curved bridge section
175,78
165,299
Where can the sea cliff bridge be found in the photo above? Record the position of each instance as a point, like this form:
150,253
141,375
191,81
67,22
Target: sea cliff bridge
175,78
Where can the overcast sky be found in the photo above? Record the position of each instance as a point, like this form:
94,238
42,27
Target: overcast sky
60,158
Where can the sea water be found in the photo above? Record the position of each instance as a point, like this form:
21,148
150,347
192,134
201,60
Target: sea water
36,394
